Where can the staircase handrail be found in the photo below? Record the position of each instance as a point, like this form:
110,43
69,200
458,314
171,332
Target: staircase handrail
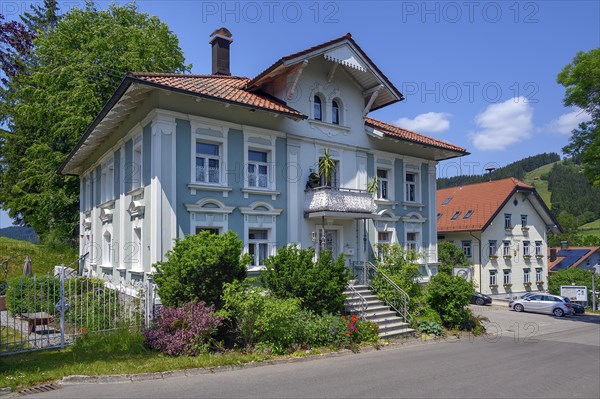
400,304
362,306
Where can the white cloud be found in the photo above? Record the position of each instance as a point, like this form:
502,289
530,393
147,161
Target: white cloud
429,122
565,123
504,124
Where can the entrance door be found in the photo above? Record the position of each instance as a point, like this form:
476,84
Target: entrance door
329,241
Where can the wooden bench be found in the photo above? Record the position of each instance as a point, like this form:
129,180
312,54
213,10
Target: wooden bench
37,319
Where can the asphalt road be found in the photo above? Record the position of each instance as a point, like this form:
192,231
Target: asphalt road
524,356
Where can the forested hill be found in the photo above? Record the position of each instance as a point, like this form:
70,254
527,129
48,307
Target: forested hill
20,233
516,169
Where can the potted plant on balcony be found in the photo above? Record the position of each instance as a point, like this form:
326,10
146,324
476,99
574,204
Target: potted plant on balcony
326,167
493,286
373,185
507,285
527,284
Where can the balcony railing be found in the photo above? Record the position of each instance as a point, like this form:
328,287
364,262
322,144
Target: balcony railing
333,199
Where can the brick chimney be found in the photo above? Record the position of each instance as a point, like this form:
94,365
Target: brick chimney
552,254
220,41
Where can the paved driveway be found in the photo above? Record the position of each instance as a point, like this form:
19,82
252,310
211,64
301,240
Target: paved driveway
525,356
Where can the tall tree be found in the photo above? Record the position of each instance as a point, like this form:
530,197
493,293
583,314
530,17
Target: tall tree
15,43
42,18
581,79
79,63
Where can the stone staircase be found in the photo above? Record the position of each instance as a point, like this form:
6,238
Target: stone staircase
390,324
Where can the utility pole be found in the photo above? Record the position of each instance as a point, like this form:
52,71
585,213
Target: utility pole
594,290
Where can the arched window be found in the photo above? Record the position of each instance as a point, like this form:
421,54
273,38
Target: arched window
318,108
335,112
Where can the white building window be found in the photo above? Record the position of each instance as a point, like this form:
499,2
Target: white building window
538,248
507,277
493,278
208,162
258,246
526,275
411,242
466,248
506,248
492,248
411,187
107,182
258,169
135,169
538,275
88,193
383,187
384,239
317,108
507,221
526,248
335,112
523,220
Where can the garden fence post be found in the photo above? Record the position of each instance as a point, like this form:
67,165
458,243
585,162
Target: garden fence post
62,306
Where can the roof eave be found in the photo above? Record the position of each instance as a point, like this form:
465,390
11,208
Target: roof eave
114,99
298,116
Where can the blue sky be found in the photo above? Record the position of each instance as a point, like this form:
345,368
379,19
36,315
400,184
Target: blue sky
480,74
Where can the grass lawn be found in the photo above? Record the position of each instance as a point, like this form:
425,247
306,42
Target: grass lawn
43,257
117,353
11,339
592,228
541,186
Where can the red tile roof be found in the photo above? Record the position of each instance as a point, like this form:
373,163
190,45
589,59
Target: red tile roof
404,134
309,50
484,199
218,87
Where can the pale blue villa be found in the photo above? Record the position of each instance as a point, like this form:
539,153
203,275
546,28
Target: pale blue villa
171,155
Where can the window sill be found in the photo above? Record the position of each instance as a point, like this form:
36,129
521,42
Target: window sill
493,257
410,204
209,187
330,129
260,191
254,268
110,204
386,202
106,266
539,256
136,191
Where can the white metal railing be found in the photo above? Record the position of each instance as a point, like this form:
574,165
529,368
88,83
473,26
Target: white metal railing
336,199
365,273
358,302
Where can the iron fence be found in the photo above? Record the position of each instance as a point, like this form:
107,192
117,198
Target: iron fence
51,311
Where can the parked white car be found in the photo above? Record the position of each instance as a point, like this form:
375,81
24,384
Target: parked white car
538,303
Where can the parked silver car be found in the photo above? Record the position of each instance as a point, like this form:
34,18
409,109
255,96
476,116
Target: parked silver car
542,303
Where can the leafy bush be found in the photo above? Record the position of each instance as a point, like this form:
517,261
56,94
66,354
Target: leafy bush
425,314
401,267
430,328
185,330
292,273
198,266
472,323
264,321
570,276
449,295
361,331
90,306
450,255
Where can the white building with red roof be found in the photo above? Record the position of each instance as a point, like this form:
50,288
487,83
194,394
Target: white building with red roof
501,227
175,154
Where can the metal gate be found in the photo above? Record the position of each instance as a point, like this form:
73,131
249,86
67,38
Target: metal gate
43,312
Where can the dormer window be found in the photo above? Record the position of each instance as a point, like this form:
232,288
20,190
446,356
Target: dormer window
318,109
335,112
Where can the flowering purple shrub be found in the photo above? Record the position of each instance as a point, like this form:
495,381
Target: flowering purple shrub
185,330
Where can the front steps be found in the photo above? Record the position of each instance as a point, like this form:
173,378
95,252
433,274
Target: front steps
390,324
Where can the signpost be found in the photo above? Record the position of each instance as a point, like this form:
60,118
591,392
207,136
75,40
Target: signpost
575,293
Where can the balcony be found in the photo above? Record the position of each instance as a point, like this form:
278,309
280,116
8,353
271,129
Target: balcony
339,202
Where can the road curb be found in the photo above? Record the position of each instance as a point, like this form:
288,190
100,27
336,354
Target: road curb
130,378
